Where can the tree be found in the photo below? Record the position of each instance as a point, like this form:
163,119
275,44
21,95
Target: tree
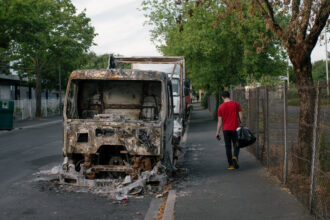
93,61
219,50
299,36
6,22
47,33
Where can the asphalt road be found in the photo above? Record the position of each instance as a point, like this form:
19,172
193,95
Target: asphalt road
206,191
27,151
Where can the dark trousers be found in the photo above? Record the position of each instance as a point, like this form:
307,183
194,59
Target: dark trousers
231,138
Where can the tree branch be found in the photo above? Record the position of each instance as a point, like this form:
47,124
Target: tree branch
295,10
269,16
320,21
305,15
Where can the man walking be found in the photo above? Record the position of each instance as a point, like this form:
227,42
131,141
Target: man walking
228,121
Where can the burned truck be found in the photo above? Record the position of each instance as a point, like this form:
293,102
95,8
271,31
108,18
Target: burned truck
117,121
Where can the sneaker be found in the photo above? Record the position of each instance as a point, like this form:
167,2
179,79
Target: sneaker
231,168
235,162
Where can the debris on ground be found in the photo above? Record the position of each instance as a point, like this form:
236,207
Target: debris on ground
121,198
151,182
159,196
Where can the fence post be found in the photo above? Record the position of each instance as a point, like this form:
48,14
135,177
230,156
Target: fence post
285,123
21,106
315,154
46,107
257,131
267,126
30,108
249,107
264,124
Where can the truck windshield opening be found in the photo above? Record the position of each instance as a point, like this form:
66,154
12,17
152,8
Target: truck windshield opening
115,100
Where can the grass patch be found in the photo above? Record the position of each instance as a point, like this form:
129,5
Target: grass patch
296,102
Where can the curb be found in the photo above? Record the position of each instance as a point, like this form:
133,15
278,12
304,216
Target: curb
153,209
170,204
40,125
32,126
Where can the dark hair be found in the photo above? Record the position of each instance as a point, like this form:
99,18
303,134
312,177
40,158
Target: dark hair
225,94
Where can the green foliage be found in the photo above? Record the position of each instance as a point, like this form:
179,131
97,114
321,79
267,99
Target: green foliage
204,100
46,34
264,80
292,93
219,50
42,36
319,71
93,61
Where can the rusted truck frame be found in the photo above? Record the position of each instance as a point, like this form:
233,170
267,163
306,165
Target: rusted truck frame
117,121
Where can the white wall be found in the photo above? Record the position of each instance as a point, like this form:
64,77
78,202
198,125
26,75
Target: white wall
5,92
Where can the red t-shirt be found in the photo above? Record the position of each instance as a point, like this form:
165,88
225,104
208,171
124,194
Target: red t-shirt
228,112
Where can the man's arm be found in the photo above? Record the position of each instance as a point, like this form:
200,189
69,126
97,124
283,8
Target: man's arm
241,117
219,127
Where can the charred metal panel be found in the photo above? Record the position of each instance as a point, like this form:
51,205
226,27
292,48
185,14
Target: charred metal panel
117,74
139,139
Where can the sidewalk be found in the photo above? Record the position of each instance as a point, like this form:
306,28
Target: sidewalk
212,192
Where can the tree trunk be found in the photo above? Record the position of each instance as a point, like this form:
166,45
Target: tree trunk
38,91
303,69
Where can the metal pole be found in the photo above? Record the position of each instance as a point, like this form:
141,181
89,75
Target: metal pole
267,127
326,59
288,75
286,147
249,108
60,88
257,132
315,154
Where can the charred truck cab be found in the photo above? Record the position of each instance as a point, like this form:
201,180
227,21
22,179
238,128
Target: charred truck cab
117,121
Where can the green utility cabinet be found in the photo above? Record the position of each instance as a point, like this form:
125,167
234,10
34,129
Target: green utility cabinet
6,114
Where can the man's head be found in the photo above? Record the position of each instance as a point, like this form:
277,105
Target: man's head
225,95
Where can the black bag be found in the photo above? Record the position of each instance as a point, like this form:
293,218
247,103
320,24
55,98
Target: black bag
244,136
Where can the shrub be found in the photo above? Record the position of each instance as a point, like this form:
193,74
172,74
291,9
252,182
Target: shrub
204,101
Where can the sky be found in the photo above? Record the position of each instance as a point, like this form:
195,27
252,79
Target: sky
121,30
120,27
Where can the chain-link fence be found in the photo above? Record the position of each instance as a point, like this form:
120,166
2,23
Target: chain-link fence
212,105
273,114
26,108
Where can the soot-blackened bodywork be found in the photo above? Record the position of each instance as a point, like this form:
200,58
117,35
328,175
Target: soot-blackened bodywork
117,121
